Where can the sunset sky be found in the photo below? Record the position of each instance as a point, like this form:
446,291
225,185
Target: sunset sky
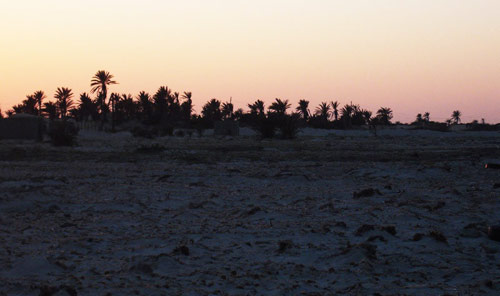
411,55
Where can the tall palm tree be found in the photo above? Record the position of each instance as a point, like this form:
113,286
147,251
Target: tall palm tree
323,111
39,96
419,118
302,108
455,116
99,83
427,116
64,102
384,115
187,106
279,106
335,109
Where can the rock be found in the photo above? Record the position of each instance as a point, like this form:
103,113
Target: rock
364,228
438,236
437,206
142,268
284,245
184,250
418,236
253,211
494,232
366,193
389,229
375,237
48,291
471,231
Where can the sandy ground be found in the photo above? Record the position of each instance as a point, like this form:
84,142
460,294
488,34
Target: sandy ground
341,213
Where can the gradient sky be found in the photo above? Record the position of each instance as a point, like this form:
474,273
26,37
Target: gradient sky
411,55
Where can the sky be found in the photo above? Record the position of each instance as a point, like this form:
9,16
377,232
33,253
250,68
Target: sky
414,56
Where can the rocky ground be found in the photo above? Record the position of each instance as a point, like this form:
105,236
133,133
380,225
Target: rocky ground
323,215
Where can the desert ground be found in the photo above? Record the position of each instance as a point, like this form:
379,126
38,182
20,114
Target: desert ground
329,213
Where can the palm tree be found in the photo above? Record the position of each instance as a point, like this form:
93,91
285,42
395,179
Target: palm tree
39,96
427,116
347,113
279,106
211,111
99,83
227,110
64,101
50,108
335,107
455,116
367,116
302,108
161,101
419,117
145,105
187,106
86,107
323,111
384,115
257,108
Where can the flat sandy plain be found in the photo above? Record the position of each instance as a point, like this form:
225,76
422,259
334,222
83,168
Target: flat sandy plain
331,213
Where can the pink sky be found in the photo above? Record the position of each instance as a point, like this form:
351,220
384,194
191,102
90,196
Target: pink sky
411,55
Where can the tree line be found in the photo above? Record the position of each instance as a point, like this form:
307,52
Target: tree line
168,108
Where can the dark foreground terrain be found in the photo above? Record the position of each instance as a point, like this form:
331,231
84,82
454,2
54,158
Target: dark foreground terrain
328,215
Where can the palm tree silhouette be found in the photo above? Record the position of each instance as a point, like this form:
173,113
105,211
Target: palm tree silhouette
187,106
211,111
347,113
86,107
50,108
227,110
335,107
39,96
145,105
64,101
166,105
279,106
302,108
99,83
257,108
367,116
427,116
323,111
384,115
455,116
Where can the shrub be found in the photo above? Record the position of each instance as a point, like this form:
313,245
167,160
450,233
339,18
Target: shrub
142,132
289,126
266,127
63,133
